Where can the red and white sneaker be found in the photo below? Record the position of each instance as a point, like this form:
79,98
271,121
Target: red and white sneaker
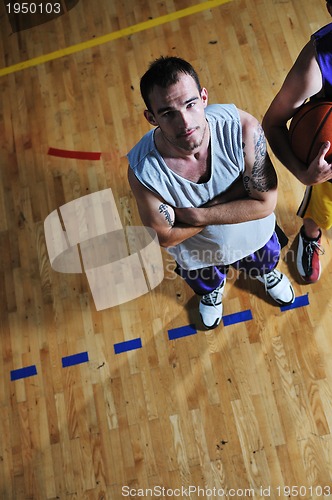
307,259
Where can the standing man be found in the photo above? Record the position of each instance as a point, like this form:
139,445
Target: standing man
310,77
203,180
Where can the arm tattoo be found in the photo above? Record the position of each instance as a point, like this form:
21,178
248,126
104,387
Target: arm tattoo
246,182
164,210
263,177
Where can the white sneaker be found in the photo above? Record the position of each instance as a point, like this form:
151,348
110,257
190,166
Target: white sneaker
278,286
210,307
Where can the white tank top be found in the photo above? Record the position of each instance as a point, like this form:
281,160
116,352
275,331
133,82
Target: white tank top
218,244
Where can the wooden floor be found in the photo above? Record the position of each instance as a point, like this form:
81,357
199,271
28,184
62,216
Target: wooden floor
241,411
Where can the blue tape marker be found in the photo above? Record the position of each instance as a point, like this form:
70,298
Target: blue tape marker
301,301
182,331
128,345
28,371
239,317
75,359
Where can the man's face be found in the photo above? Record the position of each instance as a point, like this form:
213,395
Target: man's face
179,112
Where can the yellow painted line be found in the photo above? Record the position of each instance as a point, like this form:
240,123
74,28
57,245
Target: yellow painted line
136,28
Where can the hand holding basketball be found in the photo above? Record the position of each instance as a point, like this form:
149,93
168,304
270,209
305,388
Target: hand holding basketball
310,135
319,169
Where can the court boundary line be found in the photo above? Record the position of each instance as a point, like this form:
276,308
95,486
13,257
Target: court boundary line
94,42
178,333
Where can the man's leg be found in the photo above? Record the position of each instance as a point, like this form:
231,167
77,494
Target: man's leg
209,283
204,280
308,251
263,260
311,230
262,266
316,212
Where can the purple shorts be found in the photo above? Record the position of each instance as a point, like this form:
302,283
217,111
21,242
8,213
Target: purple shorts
207,279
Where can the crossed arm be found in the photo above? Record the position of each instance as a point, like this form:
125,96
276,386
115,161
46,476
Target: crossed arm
252,196
156,213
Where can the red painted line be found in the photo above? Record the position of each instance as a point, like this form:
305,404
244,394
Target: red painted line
78,155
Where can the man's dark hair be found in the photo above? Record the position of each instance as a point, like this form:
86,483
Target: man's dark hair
163,72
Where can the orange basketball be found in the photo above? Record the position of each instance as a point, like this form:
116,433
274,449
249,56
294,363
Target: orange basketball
310,127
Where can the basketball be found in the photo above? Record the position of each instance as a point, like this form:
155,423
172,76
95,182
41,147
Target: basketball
309,128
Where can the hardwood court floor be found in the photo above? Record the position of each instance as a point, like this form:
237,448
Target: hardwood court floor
244,410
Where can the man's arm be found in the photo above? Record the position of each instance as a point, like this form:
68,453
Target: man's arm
303,81
155,213
256,198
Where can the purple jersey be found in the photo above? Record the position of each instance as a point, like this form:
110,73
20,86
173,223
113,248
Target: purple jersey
323,44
